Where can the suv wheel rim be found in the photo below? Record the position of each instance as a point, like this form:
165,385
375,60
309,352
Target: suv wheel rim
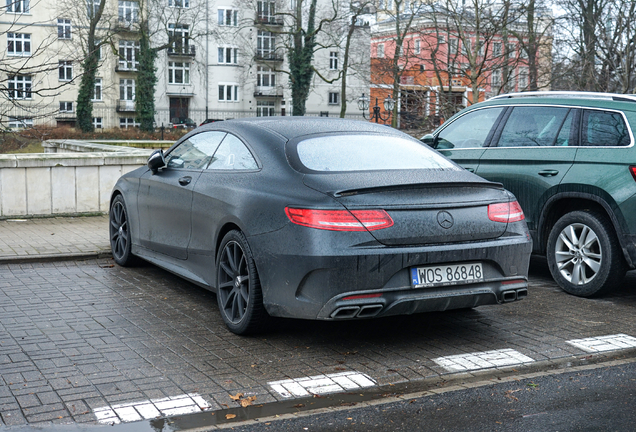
578,254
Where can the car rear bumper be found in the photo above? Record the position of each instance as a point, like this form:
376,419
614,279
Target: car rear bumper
300,282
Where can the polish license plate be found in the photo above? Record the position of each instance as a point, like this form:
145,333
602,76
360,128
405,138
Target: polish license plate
447,274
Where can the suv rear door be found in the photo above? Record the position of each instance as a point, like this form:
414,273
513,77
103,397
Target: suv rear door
530,153
464,139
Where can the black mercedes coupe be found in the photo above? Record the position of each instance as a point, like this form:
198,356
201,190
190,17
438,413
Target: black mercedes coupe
319,218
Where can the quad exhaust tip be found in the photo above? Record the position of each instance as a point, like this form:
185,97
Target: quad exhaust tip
348,312
513,295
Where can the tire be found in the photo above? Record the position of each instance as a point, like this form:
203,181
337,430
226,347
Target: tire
238,287
120,238
584,255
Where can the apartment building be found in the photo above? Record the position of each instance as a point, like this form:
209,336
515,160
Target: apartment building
217,59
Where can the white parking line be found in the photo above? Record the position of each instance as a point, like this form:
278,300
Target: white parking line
321,384
149,409
482,360
604,343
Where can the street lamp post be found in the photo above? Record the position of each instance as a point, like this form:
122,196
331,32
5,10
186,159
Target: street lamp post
363,105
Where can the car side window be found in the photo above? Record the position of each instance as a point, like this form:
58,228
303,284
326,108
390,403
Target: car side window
232,154
535,126
604,129
195,152
468,131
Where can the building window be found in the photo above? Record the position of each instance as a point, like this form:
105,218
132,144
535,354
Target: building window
66,107
496,49
228,17
127,89
92,7
18,44
128,11
417,46
264,108
179,34
65,70
18,6
97,122
97,94
265,44
179,3
333,60
63,28
265,77
441,40
178,73
452,46
334,98
266,11
512,50
228,55
380,51
19,86
127,122
20,123
128,55
228,92
523,78
495,79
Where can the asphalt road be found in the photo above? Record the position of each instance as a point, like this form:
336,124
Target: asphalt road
601,399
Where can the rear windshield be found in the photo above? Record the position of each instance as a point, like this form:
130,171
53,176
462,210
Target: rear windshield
368,153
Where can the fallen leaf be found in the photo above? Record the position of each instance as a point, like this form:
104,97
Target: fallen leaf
340,368
236,397
247,401
230,416
299,405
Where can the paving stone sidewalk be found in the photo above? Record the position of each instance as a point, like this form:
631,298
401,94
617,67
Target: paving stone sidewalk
53,238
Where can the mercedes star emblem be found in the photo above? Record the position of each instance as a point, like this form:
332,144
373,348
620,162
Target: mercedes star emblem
445,219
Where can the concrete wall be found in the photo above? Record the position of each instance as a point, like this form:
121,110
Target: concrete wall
67,183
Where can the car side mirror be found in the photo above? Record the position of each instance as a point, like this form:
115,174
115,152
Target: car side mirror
156,161
429,140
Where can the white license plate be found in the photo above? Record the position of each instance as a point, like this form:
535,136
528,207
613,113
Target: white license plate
447,274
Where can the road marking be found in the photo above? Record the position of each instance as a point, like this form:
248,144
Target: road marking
321,384
149,409
482,360
604,343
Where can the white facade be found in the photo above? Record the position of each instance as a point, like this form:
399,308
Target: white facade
228,59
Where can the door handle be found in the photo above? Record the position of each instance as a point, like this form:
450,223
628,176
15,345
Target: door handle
184,181
472,170
548,173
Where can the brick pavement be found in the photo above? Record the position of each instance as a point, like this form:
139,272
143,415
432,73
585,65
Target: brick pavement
53,238
78,338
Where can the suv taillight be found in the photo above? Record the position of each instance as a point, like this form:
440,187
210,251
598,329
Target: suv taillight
632,169
340,220
505,212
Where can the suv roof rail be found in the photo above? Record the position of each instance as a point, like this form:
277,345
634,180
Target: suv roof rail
572,94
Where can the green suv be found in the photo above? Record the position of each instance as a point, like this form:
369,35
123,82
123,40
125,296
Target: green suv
569,158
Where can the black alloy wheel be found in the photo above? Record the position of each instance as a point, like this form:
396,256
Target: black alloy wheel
238,287
120,238
584,255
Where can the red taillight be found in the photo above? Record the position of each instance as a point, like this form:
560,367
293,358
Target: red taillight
632,169
505,212
340,220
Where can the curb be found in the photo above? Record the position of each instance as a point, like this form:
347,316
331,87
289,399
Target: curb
80,256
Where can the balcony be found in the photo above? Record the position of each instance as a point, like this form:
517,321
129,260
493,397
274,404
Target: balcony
268,20
182,51
124,25
124,68
125,106
268,92
272,56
